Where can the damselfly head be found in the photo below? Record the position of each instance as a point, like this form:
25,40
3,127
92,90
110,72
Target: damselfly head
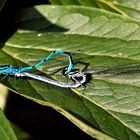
88,78
77,75
80,77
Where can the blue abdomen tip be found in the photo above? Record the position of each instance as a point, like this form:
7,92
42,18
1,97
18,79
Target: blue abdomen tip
59,51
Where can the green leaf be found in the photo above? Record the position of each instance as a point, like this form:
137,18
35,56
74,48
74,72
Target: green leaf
109,43
119,7
6,132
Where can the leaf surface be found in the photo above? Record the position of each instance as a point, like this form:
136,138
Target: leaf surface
106,42
122,7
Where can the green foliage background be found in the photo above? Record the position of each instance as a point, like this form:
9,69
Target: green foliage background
105,35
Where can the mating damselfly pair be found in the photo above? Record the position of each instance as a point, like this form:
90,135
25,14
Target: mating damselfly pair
76,75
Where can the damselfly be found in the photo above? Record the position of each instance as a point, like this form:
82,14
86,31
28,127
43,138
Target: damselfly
12,70
53,82
77,76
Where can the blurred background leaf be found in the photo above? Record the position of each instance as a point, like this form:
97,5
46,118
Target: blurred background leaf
3,96
2,2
